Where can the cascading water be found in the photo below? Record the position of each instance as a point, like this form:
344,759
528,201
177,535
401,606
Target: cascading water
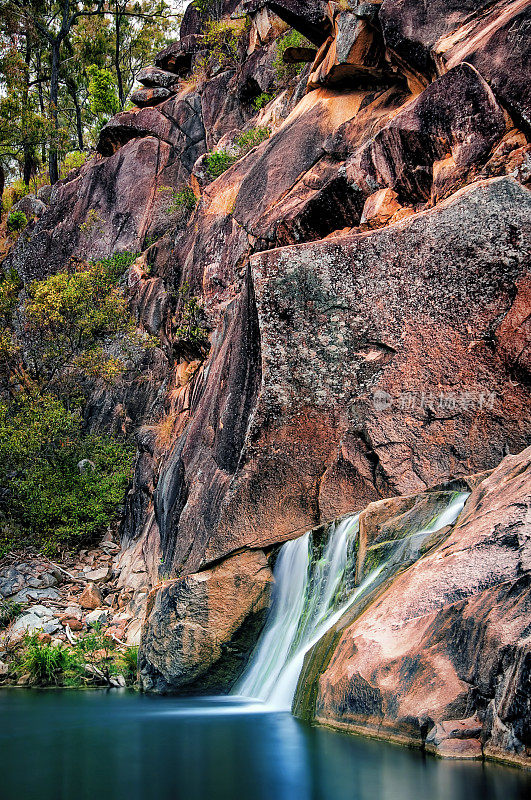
313,589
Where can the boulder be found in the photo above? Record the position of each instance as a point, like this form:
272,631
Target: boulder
153,76
30,206
90,597
354,51
97,617
428,39
44,194
150,97
312,18
456,115
177,57
99,575
442,655
199,630
379,208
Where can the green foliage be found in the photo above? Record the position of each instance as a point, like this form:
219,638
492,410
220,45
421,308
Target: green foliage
251,138
69,316
128,664
72,160
219,161
41,444
102,91
221,41
285,72
16,221
261,101
46,664
191,330
92,660
9,610
184,199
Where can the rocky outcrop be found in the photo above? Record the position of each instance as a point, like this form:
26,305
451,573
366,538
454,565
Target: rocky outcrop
442,657
361,283
199,630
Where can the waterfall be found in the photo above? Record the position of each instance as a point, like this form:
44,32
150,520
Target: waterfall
314,586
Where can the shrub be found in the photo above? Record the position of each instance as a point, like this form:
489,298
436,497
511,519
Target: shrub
16,221
251,138
129,664
285,72
41,444
184,199
46,664
191,330
219,161
9,611
261,101
72,160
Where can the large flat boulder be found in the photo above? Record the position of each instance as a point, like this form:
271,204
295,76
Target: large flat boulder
443,656
200,630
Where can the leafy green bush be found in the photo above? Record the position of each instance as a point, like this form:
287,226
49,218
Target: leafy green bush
16,221
261,101
184,199
9,610
128,663
56,505
219,161
285,72
191,330
251,138
72,160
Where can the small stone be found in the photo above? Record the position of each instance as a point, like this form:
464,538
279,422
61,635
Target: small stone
86,465
98,575
91,597
379,208
97,617
4,669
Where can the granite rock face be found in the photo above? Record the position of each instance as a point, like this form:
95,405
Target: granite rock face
443,654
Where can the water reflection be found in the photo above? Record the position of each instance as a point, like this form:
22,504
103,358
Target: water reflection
94,744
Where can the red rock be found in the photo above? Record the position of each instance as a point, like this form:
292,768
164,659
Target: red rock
90,597
379,208
150,97
433,644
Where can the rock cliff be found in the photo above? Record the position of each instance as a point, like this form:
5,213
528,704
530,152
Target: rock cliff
359,281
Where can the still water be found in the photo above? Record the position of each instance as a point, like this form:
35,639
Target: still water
69,745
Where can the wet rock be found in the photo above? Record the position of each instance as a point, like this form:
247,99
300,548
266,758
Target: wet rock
449,637
90,597
200,629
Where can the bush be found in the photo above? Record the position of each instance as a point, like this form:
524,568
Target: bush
261,101
41,444
16,221
129,664
252,138
9,611
184,199
72,160
219,161
46,664
285,72
191,330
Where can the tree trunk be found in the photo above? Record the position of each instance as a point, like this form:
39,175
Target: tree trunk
2,184
119,79
53,160
79,124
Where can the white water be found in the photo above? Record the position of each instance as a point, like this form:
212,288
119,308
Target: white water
308,599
